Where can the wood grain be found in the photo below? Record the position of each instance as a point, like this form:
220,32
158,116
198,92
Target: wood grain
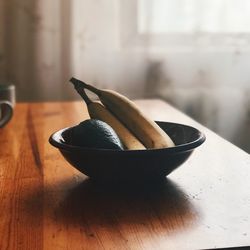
47,204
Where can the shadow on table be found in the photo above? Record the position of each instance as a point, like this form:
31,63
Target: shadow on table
156,208
159,207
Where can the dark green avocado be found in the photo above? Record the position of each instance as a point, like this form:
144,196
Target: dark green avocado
94,133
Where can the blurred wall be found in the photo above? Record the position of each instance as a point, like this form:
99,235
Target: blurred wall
43,43
35,46
214,88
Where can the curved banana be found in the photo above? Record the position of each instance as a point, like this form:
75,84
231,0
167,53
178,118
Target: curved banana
145,129
98,111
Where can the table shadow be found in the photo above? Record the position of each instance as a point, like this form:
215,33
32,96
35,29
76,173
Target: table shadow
93,204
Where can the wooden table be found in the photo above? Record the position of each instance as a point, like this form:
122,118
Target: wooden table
47,204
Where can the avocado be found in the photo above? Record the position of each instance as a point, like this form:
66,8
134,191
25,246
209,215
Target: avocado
93,133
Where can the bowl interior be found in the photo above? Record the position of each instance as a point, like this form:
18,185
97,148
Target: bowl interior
185,137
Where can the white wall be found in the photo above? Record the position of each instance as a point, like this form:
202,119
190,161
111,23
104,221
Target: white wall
213,87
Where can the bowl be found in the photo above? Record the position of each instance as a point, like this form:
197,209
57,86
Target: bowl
117,165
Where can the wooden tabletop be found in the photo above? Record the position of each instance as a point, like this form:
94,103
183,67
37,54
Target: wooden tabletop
47,204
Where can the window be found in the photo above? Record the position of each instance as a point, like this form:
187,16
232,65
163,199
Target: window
174,23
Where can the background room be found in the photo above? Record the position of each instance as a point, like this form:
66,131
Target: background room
193,54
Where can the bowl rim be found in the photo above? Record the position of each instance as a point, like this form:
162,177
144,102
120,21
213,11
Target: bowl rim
55,140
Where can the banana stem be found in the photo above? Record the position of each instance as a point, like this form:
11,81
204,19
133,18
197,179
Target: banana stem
80,90
77,82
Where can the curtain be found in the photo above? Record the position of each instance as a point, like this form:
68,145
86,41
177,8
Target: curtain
43,43
35,48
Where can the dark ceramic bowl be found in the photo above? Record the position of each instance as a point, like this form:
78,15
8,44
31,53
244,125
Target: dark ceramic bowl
116,165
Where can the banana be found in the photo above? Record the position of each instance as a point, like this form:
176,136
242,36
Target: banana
98,111
145,129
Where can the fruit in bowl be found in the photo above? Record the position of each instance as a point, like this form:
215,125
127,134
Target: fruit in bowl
94,133
127,145
135,129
